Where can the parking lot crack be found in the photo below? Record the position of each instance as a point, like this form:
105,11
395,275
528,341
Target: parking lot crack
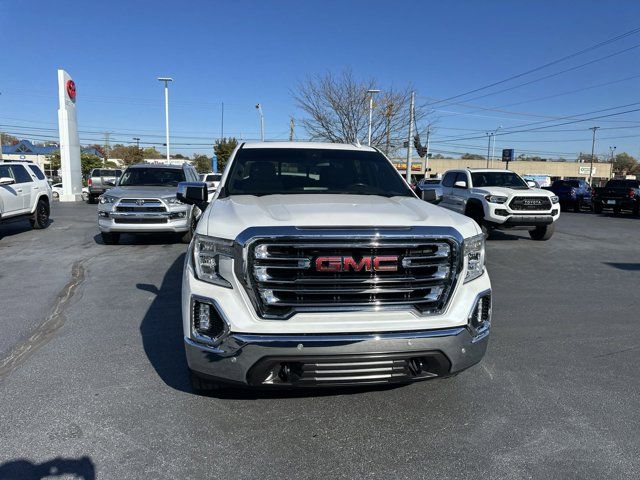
45,331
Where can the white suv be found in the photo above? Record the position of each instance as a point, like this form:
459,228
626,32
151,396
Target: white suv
500,199
315,264
24,193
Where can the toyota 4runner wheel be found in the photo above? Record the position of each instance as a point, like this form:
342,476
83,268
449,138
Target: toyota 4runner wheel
40,218
542,233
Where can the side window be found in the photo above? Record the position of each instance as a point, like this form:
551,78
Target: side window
462,177
448,179
20,174
5,171
37,171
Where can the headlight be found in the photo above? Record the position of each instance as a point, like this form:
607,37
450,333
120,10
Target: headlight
107,199
474,256
206,258
555,199
495,199
172,201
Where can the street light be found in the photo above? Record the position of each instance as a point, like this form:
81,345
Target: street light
166,81
137,140
259,108
612,150
489,150
371,92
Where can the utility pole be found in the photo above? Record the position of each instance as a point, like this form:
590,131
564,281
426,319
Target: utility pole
388,114
137,140
106,146
222,122
611,149
410,137
291,129
371,92
593,148
426,157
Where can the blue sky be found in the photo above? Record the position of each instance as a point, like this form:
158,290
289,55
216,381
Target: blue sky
244,52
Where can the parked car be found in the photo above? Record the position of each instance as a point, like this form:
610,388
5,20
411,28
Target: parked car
617,194
24,193
57,191
500,199
316,265
100,180
574,194
541,179
211,179
430,189
145,202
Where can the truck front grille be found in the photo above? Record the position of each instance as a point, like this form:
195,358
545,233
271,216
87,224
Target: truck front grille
142,205
330,275
530,203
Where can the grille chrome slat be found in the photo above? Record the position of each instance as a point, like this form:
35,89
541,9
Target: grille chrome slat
286,276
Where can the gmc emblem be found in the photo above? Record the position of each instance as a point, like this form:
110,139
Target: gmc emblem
388,263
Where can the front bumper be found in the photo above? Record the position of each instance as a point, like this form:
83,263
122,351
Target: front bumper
122,222
501,216
337,359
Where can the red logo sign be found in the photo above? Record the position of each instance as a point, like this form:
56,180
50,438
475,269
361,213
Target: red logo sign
388,263
71,90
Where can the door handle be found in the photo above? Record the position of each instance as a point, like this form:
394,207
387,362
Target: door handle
35,188
19,190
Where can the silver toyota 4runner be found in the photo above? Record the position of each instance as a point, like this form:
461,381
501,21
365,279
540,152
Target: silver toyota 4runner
144,201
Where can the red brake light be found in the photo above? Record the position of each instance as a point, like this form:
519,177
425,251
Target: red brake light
89,182
632,193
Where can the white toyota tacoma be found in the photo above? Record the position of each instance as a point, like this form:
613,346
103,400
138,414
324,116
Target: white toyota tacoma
500,199
315,264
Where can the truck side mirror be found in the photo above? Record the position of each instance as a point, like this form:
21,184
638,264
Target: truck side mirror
531,184
193,193
7,181
460,184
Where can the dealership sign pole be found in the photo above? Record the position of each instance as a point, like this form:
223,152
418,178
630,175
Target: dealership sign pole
69,141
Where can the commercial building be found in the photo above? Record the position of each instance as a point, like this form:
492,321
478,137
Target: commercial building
26,151
556,170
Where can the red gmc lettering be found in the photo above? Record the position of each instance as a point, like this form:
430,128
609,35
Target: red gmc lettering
329,264
387,263
391,263
350,263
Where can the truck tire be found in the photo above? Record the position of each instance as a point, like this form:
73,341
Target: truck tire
92,199
40,217
203,385
188,235
577,205
636,209
542,233
597,208
110,238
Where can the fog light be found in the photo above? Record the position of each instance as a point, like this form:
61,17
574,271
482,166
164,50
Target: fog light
178,215
207,321
502,212
103,214
481,315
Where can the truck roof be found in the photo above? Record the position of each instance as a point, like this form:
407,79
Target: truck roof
317,145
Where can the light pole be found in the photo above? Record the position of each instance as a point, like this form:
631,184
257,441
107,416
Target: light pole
371,92
166,81
137,140
491,151
593,148
612,150
259,108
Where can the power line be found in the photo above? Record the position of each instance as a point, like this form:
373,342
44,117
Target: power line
567,57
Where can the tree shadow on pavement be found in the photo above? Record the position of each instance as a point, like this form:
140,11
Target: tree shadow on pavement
161,329
16,227
631,267
22,469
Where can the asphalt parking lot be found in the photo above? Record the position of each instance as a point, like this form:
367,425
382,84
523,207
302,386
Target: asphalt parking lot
94,376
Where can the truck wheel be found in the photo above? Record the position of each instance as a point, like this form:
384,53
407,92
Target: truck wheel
577,205
203,385
110,238
597,208
40,218
636,209
92,199
542,233
188,235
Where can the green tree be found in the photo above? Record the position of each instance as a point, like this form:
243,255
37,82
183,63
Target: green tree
151,152
8,139
202,163
223,149
472,156
625,163
129,155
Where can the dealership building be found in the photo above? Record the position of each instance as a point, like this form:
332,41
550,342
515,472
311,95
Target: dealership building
26,151
556,170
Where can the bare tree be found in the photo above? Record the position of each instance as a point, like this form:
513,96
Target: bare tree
337,109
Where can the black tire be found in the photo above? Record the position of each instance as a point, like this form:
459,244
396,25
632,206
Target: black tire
542,233
188,235
110,238
616,210
40,217
92,199
203,385
636,209
476,212
597,208
577,205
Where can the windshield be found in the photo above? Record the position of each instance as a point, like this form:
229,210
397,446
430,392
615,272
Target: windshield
152,177
269,171
623,183
431,182
106,173
214,177
498,179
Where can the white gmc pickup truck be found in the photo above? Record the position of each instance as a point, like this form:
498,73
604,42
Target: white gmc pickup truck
315,264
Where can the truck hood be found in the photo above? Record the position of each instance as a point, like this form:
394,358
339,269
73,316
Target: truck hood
227,217
508,192
142,192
